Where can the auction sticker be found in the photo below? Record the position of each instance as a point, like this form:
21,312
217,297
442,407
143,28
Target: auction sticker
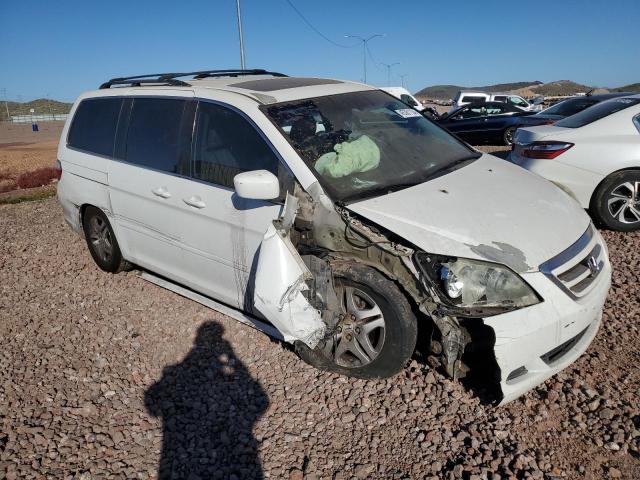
407,113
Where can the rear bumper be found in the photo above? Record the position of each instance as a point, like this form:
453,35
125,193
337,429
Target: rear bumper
70,210
534,343
576,182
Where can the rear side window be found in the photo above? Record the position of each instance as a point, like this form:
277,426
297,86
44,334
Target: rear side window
227,144
94,125
155,138
597,112
473,98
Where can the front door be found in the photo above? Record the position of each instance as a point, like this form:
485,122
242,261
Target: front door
225,231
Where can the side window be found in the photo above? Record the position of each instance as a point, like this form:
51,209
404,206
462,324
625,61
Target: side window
155,138
227,144
496,109
517,101
94,125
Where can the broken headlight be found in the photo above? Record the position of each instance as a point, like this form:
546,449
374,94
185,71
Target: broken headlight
476,285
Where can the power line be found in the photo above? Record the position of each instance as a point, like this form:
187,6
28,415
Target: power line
310,25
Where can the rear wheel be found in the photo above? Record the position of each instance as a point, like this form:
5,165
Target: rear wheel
101,241
507,136
616,202
376,334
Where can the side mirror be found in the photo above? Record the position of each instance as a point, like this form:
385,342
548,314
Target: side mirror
257,185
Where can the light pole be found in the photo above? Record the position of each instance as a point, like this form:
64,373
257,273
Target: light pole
364,49
240,34
389,67
402,77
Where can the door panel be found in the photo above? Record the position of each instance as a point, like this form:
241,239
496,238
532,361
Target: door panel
153,148
222,242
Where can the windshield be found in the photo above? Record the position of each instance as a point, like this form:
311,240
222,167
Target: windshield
570,107
367,143
597,112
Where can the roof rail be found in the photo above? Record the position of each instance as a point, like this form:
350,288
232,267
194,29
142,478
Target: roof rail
172,78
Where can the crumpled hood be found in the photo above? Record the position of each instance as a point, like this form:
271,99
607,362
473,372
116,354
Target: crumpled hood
489,209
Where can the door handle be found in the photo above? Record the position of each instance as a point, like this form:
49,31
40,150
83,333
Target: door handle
194,201
161,192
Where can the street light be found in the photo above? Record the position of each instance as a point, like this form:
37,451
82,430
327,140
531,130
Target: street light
240,34
364,48
402,79
389,66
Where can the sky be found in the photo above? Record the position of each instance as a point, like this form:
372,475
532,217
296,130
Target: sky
61,48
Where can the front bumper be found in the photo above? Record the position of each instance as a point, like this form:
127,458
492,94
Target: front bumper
536,342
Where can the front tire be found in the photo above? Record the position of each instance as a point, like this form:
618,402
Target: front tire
101,241
377,335
616,202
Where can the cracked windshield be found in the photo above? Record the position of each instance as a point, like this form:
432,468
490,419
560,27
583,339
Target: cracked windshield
367,143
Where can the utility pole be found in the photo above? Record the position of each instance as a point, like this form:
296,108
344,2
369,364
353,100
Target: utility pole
364,49
6,104
402,77
240,34
389,67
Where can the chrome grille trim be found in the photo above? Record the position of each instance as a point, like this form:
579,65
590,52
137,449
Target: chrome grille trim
571,269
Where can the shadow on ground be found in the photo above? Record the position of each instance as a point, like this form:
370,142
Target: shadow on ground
208,404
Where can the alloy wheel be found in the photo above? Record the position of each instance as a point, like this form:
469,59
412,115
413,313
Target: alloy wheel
100,238
360,333
623,203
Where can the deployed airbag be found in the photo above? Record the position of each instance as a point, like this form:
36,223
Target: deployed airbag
349,157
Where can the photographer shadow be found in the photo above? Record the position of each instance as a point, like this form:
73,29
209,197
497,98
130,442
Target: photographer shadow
209,404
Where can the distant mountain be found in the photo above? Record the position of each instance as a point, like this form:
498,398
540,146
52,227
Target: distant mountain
634,87
40,106
560,87
445,92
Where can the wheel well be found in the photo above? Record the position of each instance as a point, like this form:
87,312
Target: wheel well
595,190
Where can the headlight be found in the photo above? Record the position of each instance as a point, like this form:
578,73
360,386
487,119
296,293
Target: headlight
477,285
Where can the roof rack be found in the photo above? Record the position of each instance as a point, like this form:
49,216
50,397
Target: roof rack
172,78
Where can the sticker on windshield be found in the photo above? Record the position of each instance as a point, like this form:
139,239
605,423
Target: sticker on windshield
407,113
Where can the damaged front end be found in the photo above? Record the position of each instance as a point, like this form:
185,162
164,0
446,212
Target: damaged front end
295,290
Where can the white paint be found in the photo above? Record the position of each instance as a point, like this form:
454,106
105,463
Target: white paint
600,148
484,202
280,281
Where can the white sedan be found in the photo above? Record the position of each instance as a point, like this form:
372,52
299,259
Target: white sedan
594,156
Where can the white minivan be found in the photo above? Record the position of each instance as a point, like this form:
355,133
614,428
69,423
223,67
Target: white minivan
339,217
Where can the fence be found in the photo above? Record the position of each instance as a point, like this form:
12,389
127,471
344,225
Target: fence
38,118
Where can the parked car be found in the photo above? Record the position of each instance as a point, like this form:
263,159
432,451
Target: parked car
340,216
594,156
465,97
403,94
489,122
566,108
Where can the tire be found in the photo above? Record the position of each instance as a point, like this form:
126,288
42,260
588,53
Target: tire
507,136
390,346
101,241
616,202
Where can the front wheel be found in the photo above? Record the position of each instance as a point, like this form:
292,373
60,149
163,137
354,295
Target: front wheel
616,202
377,332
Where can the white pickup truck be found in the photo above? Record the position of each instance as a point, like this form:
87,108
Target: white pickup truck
463,97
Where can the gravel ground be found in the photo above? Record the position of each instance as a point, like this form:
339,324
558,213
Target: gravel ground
107,376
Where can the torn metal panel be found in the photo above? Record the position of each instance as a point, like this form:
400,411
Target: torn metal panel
280,283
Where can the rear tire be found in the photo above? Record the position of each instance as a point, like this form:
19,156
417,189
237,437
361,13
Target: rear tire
616,202
507,136
101,241
380,338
